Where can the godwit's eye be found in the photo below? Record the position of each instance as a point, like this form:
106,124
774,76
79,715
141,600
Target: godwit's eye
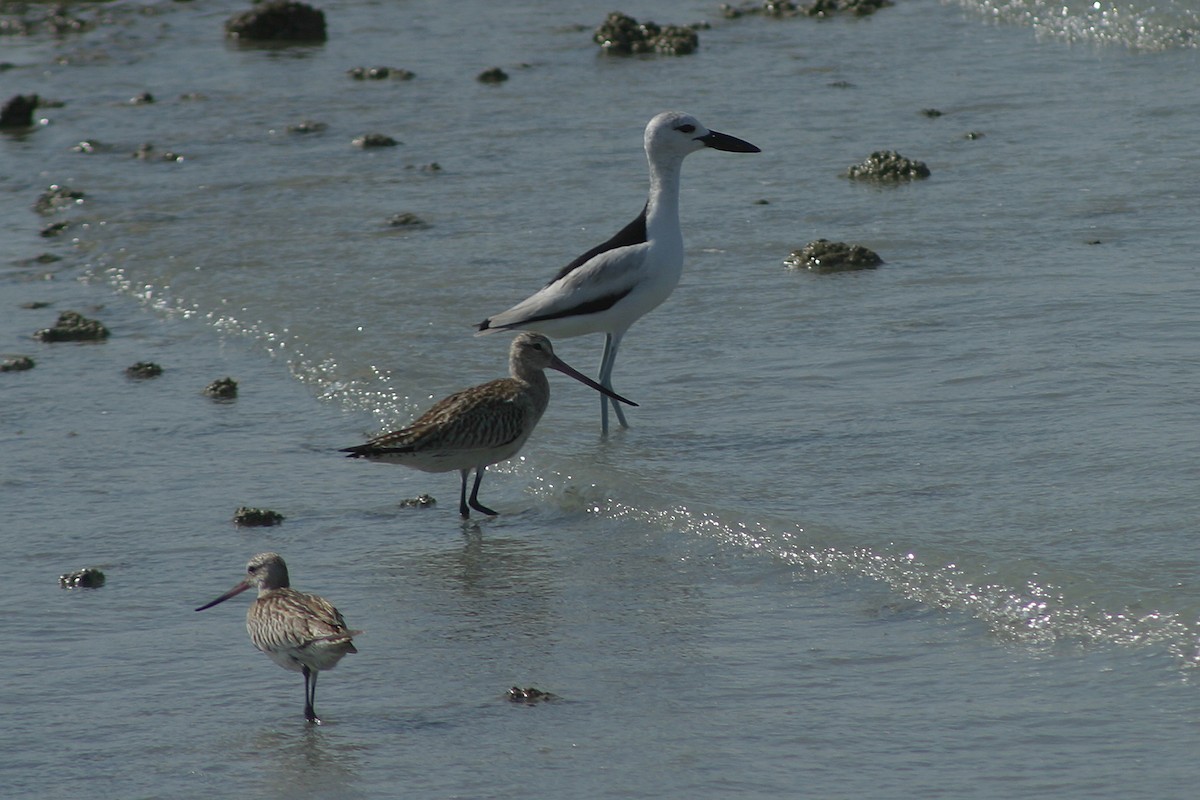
687,128
252,568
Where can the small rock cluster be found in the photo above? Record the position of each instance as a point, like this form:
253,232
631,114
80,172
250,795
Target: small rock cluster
826,256
623,35
888,166
73,327
278,21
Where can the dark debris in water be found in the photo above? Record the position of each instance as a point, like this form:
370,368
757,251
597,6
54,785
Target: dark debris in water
73,327
826,256
257,517
86,578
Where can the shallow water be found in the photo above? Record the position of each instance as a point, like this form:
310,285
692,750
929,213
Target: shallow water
921,531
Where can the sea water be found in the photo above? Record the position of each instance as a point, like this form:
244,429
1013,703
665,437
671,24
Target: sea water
920,531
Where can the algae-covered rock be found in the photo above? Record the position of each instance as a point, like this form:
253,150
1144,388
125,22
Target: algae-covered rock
57,198
16,364
18,111
621,34
406,219
529,695
858,8
420,501
73,327
888,166
278,21
307,126
818,8
493,75
222,389
826,256
379,74
86,578
143,370
257,517
374,140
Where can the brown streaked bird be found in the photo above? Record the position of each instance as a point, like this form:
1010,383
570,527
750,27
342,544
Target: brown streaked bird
480,426
298,631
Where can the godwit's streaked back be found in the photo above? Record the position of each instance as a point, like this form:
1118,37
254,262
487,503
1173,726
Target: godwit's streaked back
301,632
611,286
480,426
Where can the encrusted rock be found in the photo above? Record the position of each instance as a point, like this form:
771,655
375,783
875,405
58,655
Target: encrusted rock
621,34
406,219
493,75
529,696
420,501
818,8
73,327
888,165
257,517
379,74
826,256
18,111
767,8
143,369
374,140
222,389
86,578
859,8
16,364
278,21
307,126
57,198
146,152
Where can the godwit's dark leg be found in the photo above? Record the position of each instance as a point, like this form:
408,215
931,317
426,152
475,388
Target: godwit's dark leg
463,511
310,695
475,504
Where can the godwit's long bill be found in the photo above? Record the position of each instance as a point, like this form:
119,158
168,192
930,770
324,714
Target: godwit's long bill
300,632
480,426
611,286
